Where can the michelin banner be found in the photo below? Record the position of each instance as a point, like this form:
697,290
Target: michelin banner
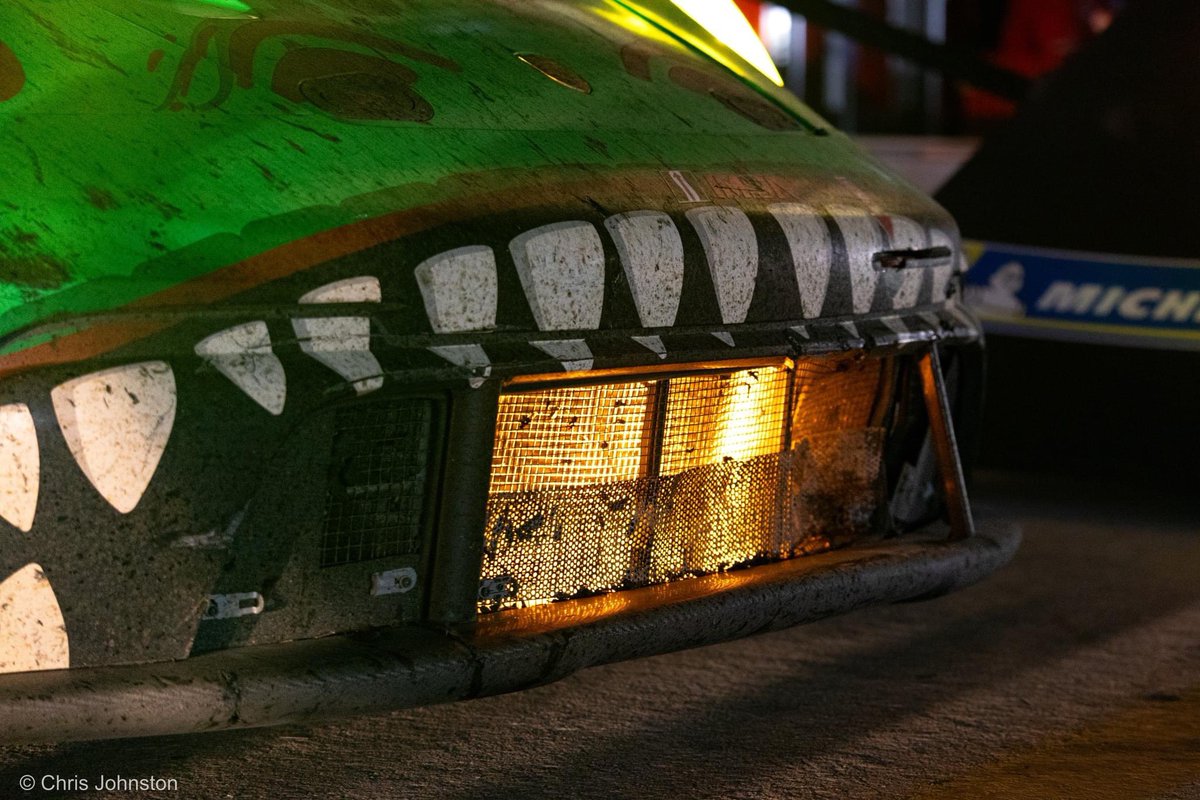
1089,297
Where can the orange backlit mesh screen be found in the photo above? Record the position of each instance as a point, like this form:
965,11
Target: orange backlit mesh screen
601,488
570,437
712,419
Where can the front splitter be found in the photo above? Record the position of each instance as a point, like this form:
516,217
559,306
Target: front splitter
412,666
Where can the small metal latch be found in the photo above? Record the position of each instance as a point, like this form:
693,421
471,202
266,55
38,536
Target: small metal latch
394,581
237,604
907,259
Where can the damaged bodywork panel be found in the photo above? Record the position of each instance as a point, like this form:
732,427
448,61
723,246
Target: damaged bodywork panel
416,333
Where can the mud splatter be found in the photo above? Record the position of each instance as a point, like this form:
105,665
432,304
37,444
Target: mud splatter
167,210
100,198
154,60
12,74
596,146
35,270
73,50
341,82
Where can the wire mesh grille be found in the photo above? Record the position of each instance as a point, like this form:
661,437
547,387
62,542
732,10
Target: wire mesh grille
835,394
718,418
569,437
550,545
726,493
378,480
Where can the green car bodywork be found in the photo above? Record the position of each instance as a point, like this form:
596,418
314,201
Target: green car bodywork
179,178
146,144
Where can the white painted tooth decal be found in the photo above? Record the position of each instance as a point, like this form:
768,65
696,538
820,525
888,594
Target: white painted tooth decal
463,355
907,235
732,251
812,252
651,253
343,343
20,465
852,329
461,292
243,354
561,267
652,343
364,289
802,330
460,289
33,635
941,275
724,337
864,239
574,354
895,325
116,423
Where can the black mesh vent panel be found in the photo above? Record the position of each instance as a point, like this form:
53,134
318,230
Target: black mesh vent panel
378,481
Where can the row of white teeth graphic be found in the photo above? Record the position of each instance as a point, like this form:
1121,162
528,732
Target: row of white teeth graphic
117,422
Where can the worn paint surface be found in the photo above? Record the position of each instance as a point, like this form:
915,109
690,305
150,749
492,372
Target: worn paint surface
20,465
651,254
343,343
812,252
243,354
279,212
459,288
117,424
727,236
561,267
254,132
32,633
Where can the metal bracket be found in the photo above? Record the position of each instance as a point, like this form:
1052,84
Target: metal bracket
237,604
394,581
941,427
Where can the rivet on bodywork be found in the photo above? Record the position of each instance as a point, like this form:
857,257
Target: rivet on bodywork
116,424
20,465
812,252
243,354
732,250
651,253
907,235
863,238
33,635
343,343
574,354
561,267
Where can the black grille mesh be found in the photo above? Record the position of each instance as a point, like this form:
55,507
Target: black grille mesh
709,507
378,481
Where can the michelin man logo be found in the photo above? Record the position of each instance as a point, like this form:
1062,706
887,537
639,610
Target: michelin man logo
999,296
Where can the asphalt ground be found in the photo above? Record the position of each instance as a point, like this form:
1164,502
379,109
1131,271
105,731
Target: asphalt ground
1072,673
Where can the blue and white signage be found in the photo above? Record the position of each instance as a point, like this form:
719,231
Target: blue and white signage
1125,300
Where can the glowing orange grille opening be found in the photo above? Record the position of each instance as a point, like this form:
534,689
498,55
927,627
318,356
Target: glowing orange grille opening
712,419
569,437
599,488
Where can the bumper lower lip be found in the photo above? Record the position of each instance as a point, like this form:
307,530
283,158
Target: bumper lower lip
412,666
